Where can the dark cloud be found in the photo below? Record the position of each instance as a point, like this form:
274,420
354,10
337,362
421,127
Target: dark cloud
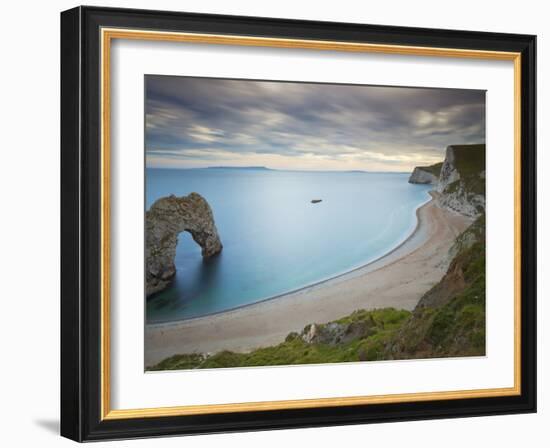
202,120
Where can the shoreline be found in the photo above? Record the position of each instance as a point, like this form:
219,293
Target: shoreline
397,279
362,267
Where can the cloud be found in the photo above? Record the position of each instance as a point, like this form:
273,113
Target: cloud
204,121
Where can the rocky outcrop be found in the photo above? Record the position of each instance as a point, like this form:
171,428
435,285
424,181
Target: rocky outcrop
449,173
459,180
335,333
164,221
460,200
462,180
421,175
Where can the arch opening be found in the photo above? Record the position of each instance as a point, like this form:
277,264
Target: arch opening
164,221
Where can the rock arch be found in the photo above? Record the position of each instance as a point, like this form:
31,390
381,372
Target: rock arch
164,221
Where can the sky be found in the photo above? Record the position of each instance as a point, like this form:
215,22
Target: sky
203,122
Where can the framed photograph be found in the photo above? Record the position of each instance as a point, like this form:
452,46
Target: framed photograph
276,224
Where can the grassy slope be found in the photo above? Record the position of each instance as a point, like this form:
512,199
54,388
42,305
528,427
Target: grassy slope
454,328
294,350
469,159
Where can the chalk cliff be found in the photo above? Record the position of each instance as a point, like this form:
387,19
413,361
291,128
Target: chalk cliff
460,179
426,174
164,221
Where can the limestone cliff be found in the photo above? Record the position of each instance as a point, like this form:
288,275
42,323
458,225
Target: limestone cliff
164,221
425,174
462,180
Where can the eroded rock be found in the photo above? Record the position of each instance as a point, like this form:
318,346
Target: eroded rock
459,179
335,333
164,221
462,180
422,176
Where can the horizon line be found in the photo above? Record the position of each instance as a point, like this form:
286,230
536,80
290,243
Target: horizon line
252,167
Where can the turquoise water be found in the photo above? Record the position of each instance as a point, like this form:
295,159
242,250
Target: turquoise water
274,239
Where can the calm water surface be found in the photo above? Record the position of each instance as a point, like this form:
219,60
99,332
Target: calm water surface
274,239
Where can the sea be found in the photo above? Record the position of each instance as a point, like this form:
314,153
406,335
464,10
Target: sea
275,240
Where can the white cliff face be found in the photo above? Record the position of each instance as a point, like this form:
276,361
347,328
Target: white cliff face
420,176
462,195
449,173
462,201
457,194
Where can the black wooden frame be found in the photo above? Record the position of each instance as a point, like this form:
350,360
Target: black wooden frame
80,223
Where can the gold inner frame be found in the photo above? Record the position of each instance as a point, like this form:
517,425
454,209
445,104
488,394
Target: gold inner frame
107,35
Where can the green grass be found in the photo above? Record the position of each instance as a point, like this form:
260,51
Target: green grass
469,159
294,350
457,327
384,318
179,362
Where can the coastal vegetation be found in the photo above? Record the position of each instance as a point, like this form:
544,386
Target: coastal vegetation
469,160
352,338
449,319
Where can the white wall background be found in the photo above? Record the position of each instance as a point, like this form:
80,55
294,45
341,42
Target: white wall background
29,221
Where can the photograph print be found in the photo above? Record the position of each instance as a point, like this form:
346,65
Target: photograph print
291,223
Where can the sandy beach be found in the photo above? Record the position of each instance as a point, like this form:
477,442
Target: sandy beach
398,279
